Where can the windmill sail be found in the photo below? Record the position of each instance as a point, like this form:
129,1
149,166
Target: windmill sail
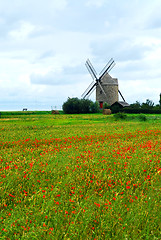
109,62
92,90
106,86
91,69
107,68
121,95
89,89
101,88
90,64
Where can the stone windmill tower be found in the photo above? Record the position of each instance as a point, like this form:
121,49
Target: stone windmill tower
106,87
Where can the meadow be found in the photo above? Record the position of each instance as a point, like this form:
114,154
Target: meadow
84,176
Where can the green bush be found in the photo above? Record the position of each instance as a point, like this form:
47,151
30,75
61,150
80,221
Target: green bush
106,105
75,105
142,117
154,110
94,107
147,107
72,105
120,115
115,109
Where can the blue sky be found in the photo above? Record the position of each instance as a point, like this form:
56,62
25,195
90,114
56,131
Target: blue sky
44,46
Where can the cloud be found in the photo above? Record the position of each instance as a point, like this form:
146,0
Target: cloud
44,46
152,15
97,3
120,47
51,78
31,9
68,76
23,31
47,54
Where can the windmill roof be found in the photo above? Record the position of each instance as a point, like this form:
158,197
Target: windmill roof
107,79
121,103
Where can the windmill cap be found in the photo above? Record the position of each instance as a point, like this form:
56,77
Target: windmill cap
107,79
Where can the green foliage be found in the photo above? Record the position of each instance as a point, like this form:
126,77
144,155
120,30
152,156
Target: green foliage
136,105
75,105
94,107
120,115
84,106
115,109
106,105
142,117
72,105
147,107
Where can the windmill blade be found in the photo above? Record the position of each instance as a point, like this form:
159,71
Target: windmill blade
109,62
121,95
92,90
89,89
110,67
107,68
102,89
92,83
91,66
91,69
91,73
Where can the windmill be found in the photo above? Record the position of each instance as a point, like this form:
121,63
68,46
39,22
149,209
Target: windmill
106,86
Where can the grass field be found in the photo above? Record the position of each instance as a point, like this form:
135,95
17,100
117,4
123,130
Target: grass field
80,177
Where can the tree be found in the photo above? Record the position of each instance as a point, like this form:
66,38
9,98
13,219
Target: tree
75,105
72,105
106,105
94,107
85,105
147,105
160,100
136,105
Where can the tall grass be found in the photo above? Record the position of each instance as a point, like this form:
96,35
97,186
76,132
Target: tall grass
79,177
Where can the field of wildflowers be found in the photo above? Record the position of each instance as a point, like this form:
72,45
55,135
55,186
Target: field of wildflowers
80,177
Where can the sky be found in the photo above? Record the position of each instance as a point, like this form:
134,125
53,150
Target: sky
44,46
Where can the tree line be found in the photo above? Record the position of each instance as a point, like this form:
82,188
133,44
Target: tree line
76,105
145,107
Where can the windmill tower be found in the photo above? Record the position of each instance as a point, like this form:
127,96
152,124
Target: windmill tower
106,87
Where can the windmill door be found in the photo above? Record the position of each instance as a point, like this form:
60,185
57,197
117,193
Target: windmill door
101,105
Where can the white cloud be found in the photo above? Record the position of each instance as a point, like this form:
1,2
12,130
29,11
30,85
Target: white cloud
107,24
23,31
97,3
44,45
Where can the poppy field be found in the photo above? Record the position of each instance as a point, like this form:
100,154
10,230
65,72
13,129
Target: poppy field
80,177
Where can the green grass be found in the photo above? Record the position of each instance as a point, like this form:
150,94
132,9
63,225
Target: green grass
80,177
